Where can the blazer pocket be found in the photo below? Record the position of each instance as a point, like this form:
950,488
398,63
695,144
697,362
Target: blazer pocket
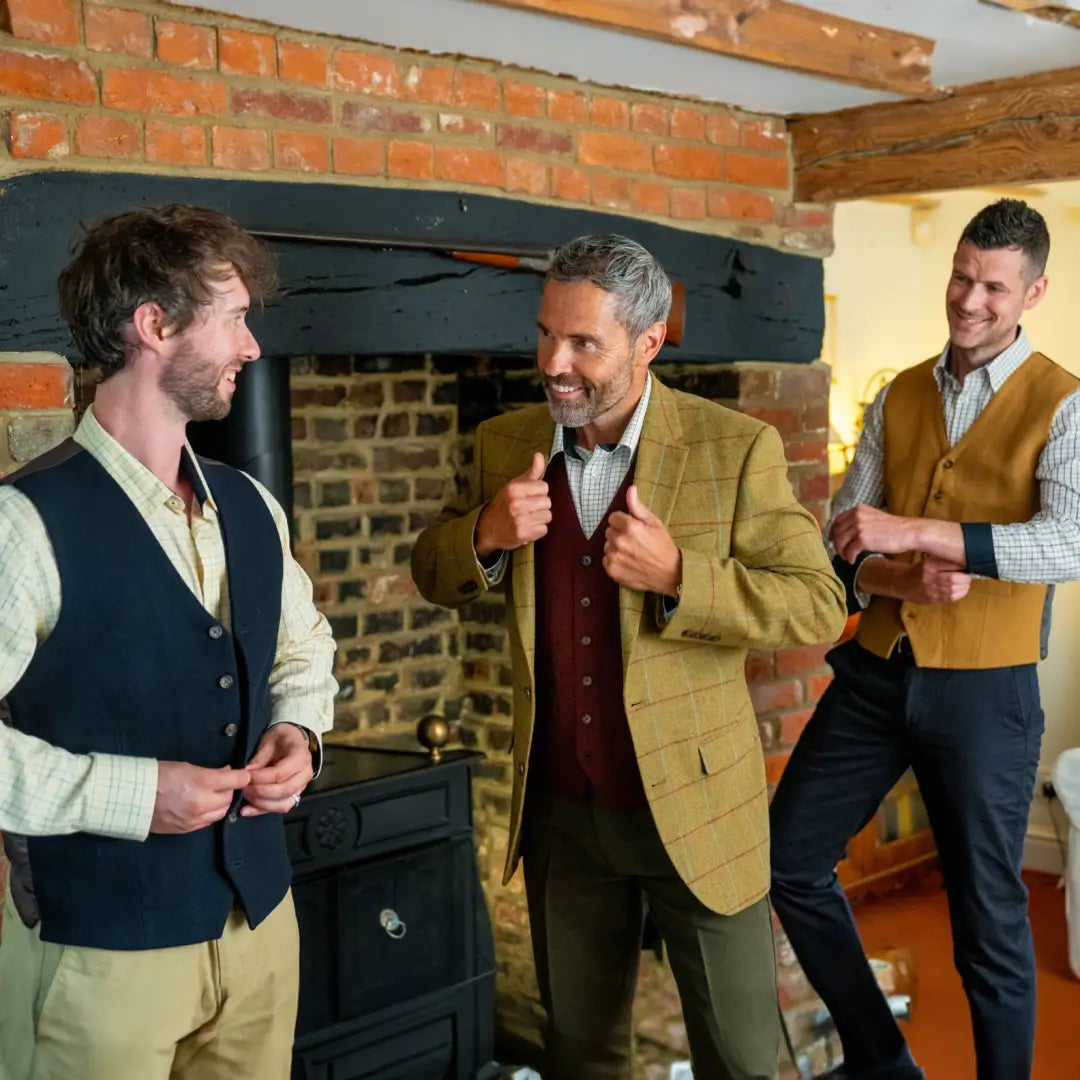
728,748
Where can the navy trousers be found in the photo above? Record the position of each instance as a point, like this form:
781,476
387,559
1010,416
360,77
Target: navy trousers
972,739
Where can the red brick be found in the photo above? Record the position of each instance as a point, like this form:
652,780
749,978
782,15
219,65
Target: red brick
758,170
366,73
802,382
813,486
359,157
304,63
529,137
116,30
301,151
356,114
476,90
722,129
649,197
609,112
792,724
794,661
523,98
816,417
566,106
468,166
108,137
39,135
283,105
775,764
570,183
241,148
241,53
764,135
55,79
434,85
614,151
687,123
759,666
175,144
35,386
460,124
410,160
786,421
690,162
767,696
55,22
611,191
144,91
736,204
649,118
688,203
186,45
526,175
816,685
800,451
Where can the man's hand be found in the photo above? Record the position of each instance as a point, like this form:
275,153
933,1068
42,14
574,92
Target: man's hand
862,528
639,552
936,581
280,768
519,513
190,798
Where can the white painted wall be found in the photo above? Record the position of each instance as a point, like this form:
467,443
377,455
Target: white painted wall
889,313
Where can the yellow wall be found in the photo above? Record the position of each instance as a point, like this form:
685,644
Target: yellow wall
887,277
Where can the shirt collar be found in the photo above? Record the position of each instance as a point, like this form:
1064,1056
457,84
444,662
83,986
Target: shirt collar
564,437
997,370
144,489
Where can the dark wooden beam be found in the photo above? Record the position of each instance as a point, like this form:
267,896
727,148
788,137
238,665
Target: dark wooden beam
772,32
1009,131
1042,9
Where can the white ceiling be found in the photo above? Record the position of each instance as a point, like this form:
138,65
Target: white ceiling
975,41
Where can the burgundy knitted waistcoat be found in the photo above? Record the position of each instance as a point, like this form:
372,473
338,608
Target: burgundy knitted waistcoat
581,743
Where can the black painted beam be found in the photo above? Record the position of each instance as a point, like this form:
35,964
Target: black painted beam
744,301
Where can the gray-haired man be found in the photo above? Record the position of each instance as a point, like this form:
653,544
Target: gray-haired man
648,539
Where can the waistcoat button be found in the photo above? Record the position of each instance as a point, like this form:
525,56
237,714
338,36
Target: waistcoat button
231,729
215,631
225,682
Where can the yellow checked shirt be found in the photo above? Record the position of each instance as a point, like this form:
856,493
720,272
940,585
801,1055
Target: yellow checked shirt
47,791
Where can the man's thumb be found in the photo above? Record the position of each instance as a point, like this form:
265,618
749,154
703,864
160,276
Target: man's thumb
536,469
636,507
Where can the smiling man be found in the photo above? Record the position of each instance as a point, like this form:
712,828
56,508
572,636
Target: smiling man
962,503
168,680
647,539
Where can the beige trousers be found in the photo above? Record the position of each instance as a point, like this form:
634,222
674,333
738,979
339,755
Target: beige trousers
220,1010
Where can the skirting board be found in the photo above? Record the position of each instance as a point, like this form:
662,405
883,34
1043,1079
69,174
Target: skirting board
1041,851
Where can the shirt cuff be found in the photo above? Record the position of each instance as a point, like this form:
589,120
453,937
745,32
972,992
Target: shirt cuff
494,566
848,574
979,549
666,609
121,796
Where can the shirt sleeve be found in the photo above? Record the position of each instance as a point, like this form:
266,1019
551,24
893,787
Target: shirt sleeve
44,790
1046,548
302,684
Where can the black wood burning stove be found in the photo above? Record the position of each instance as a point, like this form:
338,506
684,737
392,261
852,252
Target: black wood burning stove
396,957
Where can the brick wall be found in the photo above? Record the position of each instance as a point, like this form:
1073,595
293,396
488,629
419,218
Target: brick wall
377,443
138,84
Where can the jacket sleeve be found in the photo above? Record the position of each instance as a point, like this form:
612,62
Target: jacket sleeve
444,563
776,588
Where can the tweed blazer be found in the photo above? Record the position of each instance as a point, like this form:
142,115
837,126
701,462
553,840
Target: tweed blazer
755,574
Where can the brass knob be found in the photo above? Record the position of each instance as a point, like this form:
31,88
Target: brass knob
434,732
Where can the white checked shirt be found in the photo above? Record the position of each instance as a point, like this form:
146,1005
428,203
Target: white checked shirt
1045,549
45,790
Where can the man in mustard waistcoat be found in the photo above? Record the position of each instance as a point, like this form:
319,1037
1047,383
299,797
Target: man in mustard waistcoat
962,504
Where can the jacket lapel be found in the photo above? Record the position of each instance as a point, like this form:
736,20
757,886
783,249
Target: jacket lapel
661,458
536,437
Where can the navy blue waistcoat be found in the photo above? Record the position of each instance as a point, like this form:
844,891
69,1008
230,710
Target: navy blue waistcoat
137,666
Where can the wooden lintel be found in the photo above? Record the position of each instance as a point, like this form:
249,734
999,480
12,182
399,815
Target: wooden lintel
1010,131
772,32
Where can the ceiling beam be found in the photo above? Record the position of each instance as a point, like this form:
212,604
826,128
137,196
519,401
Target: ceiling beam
772,32
1010,131
1067,14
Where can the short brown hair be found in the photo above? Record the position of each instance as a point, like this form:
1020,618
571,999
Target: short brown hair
170,256
1011,223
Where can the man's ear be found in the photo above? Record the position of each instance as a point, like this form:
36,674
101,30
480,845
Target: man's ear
150,326
1036,291
650,341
